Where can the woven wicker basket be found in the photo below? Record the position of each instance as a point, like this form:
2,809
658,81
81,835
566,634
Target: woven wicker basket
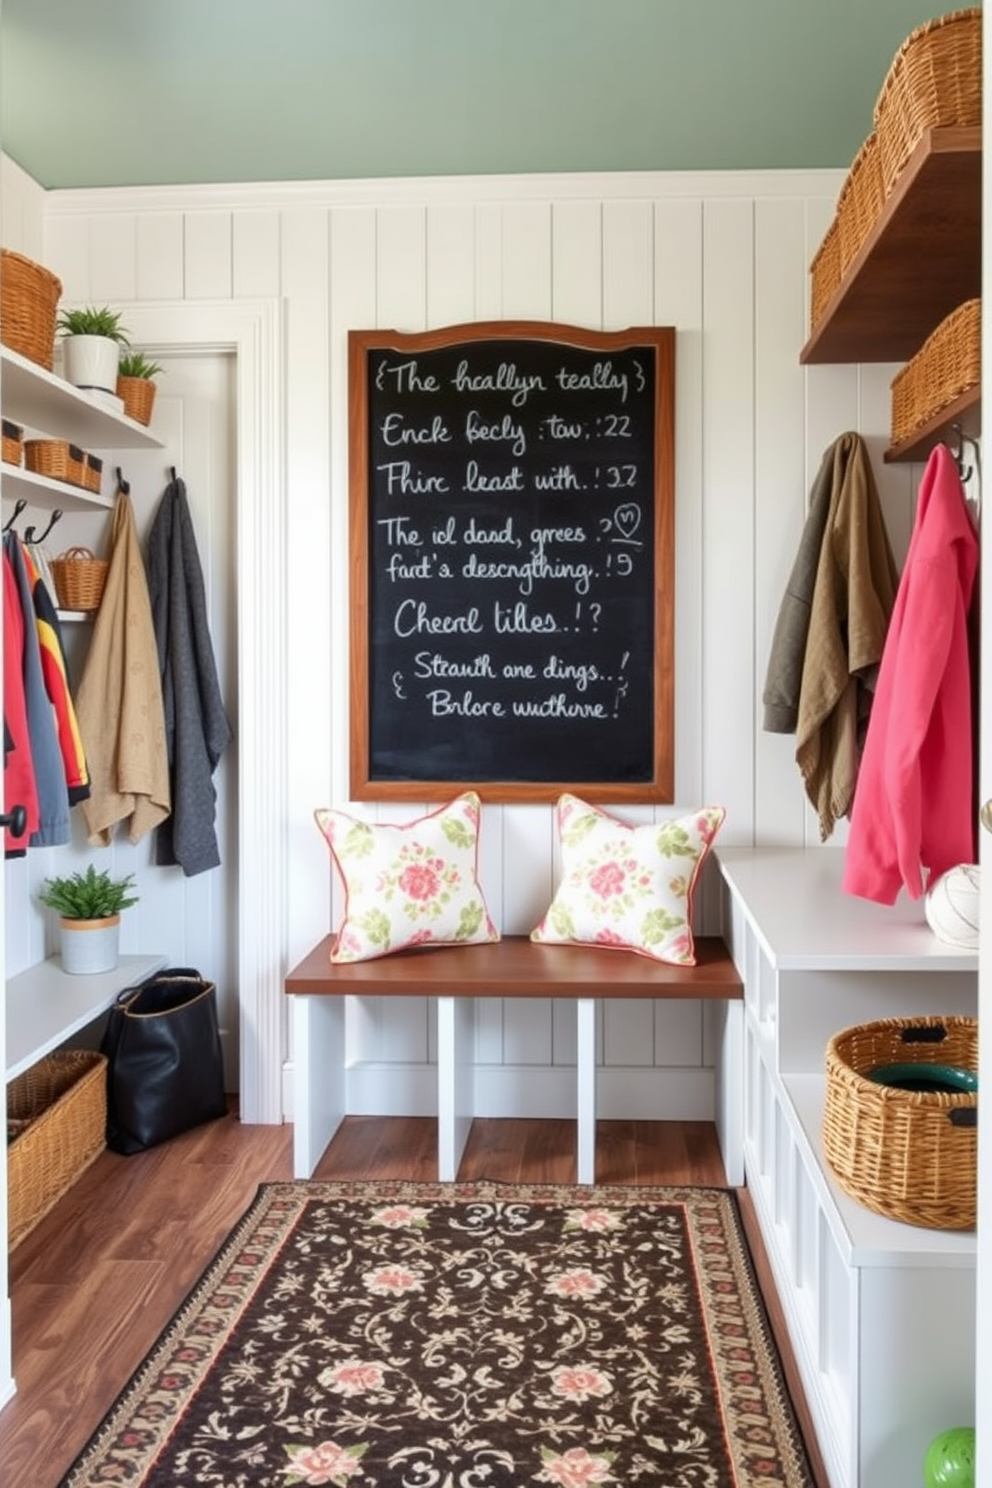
57,1117
860,201
29,302
92,472
79,578
138,394
948,364
13,443
909,1155
935,81
824,274
56,458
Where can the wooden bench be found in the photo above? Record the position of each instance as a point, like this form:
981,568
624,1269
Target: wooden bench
512,967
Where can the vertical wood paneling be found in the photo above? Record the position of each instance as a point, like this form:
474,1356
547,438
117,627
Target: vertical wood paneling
779,402
208,261
309,600
678,299
729,705
577,263
159,256
450,273
727,268
401,268
628,265
255,255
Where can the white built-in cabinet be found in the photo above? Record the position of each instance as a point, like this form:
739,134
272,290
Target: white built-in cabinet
43,1007
881,1315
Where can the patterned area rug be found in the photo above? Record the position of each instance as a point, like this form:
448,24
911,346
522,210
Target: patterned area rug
399,1335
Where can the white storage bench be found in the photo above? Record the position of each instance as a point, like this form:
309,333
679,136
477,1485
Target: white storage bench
455,976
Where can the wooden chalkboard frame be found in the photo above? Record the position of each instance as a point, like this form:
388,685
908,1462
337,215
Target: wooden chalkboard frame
659,344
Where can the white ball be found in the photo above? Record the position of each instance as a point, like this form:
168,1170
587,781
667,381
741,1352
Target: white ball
952,906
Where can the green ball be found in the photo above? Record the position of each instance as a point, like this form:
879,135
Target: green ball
950,1459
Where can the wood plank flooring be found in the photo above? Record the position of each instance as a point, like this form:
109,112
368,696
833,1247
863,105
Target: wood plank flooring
97,1281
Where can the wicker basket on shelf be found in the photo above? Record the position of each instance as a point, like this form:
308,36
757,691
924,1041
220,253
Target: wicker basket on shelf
860,201
29,302
824,274
935,81
57,459
92,472
56,1127
13,443
79,578
948,364
908,1154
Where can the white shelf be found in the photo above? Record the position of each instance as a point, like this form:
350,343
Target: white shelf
41,490
46,1006
863,1237
41,400
804,921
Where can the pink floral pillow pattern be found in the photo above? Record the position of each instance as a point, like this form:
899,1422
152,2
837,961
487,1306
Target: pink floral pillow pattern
408,885
629,888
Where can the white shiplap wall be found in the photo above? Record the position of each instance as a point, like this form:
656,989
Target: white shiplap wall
724,258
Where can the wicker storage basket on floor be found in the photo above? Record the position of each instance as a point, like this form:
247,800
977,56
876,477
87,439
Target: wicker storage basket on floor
29,302
56,458
13,443
57,1119
935,81
79,578
908,1154
948,364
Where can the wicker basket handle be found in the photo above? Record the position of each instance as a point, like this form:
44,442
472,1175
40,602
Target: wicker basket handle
82,553
932,1033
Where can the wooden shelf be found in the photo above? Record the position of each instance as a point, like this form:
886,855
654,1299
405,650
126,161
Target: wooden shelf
966,411
923,259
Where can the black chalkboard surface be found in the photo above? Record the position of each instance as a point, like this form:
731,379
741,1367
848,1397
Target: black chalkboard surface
512,562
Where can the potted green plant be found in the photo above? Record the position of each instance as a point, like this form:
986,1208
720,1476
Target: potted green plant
92,338
135,386
89,908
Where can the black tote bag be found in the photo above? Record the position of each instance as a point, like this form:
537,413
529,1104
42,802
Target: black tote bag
164,1065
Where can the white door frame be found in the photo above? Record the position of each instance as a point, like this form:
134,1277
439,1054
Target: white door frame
251,329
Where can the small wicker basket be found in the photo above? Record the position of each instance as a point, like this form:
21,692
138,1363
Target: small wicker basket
935,81
824,274
79,578
860,201
92,472
57,459
910,1155
29,302
56,1127
13,443
138,394
948,364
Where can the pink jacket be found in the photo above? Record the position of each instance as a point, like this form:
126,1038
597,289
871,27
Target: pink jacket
914,805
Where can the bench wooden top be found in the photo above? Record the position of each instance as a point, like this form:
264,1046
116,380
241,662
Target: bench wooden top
518,967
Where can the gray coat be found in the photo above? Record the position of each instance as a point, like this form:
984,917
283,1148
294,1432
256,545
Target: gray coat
196,725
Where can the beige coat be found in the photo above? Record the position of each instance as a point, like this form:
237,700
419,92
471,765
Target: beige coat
119,701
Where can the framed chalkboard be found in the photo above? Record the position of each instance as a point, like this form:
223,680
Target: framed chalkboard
512,562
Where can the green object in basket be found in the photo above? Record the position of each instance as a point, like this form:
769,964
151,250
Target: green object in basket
950,1459
938,1079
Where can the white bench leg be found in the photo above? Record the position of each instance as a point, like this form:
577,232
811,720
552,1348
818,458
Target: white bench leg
730,1090
585,1095
318,1077
455,1082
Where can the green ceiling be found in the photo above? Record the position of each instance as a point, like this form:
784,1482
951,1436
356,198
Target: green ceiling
128,92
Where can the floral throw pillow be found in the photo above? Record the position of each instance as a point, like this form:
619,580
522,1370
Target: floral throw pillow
408,885
628,888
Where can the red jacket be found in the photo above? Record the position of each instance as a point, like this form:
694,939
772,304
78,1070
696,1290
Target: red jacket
914,805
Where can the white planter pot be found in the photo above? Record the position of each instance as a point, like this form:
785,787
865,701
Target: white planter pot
90,362
89,946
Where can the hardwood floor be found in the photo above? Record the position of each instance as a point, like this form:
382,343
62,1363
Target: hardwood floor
93,1286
